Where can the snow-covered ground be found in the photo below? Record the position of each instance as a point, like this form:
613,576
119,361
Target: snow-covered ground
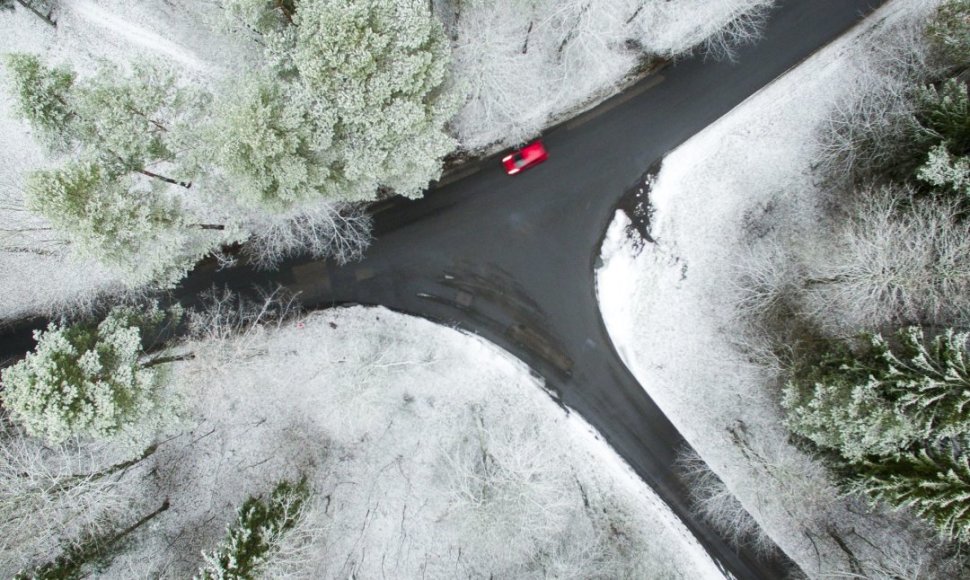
389,417
742,186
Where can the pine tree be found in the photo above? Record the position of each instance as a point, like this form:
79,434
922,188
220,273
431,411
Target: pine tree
949,32
86,380
946,172
379,67
944,113
268,146
935,485
42,96
840,403
259,527
136,229
881,399
128,122
364,102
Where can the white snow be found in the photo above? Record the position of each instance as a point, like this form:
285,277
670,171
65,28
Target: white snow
385,413
97,16
742,184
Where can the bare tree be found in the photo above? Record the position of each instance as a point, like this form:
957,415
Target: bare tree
52,497
889,265
506,490
322,230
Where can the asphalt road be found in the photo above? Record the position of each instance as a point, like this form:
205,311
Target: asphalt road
512,258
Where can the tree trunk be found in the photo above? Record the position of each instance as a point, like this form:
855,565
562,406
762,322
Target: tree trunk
167,359
46,18
165,179
208,226
525,45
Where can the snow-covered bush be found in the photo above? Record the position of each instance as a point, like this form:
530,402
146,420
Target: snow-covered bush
87,381
507,491
321,229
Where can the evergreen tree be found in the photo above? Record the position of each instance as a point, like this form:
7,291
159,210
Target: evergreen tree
267,145
840,403
129,122
364,102
946,172
134,228
255,535
86,380
935,485
42,95
881,399
379,67
949,32
944,112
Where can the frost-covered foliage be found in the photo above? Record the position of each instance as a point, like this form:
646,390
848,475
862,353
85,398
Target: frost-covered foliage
506,491
884,397
111,207
320,230
86,381
354,101
267,144
111,219
933,484
717,505
949,31
891,260
526,63
51,496
129,122
254,538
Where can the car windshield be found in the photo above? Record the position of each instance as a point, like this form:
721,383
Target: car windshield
519,161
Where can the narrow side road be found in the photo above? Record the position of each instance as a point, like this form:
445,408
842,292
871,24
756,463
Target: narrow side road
511,258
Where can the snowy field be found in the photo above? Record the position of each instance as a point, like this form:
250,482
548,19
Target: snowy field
744,185
390,417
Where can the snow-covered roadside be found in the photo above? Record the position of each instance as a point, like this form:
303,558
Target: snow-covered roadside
388,416
743,185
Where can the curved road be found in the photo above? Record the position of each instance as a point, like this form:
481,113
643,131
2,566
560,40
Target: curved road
511,259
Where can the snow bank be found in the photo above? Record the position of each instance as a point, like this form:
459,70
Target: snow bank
743,184
388,415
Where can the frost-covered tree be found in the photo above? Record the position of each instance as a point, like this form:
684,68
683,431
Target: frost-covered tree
357,102
88,381
892,260
129,121
321,230
268,145
42,95
935,485
378,69
51,496
506,491
255,537
136,229
949,31
945,171
884,397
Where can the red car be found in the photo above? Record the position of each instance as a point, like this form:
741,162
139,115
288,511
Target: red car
532,154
